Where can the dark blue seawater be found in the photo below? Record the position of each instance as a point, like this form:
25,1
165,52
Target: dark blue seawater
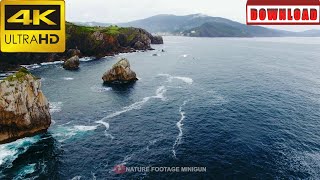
242,108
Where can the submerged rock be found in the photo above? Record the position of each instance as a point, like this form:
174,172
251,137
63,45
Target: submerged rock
24,110
72,63
120,73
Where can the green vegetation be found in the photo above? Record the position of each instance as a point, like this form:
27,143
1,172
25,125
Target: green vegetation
112,30
19,75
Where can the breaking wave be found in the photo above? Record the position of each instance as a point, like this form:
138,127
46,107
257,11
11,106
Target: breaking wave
62,133
9,152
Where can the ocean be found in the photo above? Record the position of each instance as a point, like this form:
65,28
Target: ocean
225,108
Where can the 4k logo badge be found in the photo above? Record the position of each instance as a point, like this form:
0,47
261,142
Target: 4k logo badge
33,26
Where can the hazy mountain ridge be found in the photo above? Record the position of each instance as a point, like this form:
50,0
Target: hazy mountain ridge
199,25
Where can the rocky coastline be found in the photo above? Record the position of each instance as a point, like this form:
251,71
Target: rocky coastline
24,110
86,41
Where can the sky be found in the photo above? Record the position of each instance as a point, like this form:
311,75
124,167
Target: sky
116,11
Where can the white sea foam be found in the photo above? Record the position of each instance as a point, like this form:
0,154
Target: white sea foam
184,55
134,106
84,128
6,154
55,107
9,152
63,133
126,159
179,125
184,79
86,59
29,169
50,63
105,124
32,66
77,178
68,78
137,105
100,89
160,93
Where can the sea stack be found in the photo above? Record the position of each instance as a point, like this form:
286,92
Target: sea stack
24,110
120,73
72,63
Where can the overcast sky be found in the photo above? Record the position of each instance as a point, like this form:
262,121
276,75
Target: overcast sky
115,11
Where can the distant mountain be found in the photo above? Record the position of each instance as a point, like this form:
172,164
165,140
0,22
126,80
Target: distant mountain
218,29
171,23
199,25
309,33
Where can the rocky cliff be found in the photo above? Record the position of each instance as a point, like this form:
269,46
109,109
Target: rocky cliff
90,41
24,110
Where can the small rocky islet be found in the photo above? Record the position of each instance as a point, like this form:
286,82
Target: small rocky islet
24,109
120,73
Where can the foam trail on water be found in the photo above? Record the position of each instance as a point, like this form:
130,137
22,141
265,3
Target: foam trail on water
76,178
184,79
100,89
50,63
68,78
107,126
160,93
137,105
179,125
